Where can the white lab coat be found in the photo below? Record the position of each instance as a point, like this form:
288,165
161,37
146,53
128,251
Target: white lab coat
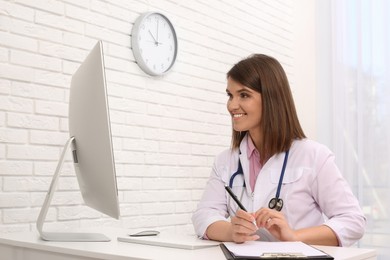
314,191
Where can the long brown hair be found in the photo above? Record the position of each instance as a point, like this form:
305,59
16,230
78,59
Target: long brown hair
279,121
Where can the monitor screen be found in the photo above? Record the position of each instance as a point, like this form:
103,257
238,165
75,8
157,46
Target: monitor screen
91,146
89,124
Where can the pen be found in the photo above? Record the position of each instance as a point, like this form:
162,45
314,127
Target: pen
234,197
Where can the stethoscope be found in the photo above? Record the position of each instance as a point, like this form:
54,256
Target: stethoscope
275,203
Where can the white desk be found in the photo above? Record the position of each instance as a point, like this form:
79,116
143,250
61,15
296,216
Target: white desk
28,246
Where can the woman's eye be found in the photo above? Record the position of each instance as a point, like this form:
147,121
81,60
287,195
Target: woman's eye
244,95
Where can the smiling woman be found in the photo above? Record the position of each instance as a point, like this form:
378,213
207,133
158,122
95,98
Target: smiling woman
265,76
292,182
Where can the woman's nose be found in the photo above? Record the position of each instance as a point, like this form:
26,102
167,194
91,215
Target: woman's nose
232,104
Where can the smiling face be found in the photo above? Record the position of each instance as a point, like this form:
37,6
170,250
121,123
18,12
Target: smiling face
245,107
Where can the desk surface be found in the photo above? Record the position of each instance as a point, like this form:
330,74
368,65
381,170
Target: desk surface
20,244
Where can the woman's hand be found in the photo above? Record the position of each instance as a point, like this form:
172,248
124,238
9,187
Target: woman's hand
243,227
275,222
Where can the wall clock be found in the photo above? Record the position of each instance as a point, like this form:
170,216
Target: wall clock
154,43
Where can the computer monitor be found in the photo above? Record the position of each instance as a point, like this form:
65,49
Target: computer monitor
91,147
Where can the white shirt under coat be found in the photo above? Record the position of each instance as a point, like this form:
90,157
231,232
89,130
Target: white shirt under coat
314,191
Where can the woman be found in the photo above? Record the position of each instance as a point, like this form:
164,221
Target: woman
313,204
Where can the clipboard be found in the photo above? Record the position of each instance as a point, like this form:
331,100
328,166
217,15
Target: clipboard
273,255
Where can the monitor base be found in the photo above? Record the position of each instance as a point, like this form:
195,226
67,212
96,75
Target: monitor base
62,236
74,237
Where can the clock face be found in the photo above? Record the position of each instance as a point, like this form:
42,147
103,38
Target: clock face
154,43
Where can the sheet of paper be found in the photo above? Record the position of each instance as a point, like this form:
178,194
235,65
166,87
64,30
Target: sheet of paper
258,248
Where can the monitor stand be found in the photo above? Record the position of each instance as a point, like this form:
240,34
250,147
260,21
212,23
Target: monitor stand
62,236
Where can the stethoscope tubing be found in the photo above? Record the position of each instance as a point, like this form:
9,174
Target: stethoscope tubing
276,202
239,171
282,175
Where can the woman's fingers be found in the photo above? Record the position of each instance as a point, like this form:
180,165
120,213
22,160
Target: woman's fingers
241,238
244,228
247,217
264,217
276,223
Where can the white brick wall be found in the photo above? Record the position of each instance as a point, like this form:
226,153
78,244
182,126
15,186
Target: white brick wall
166,130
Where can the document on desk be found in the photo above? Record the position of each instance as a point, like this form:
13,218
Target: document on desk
272,250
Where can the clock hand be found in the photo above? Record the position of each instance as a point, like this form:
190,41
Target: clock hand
155,41
157,31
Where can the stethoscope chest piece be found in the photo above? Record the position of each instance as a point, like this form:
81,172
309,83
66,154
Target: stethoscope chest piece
276,204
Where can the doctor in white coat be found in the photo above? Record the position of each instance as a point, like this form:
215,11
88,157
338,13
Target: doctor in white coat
289,185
